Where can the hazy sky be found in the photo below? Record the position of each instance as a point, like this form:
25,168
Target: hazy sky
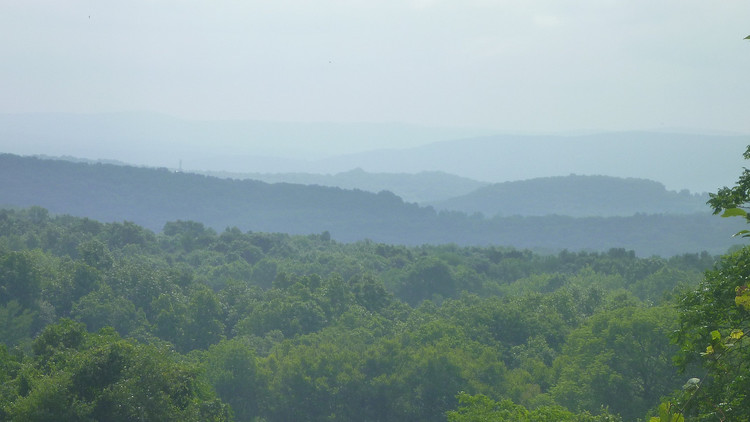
552,65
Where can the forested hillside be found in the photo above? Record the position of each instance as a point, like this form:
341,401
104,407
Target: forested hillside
95,318
152,197
576,196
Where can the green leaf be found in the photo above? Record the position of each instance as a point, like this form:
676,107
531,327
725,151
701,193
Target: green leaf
743,297
743,233
734,212
715,336
666,415
664,412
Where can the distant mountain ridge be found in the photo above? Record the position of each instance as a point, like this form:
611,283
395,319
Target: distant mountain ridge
422,187
695,161
698,162
576,196
152,197
159,140
573,195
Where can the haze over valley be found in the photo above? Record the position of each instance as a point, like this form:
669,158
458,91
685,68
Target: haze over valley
698,162
391,210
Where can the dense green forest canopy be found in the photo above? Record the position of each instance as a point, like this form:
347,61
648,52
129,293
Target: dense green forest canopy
194,324
153,197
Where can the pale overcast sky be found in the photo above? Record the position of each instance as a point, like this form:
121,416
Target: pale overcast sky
509,65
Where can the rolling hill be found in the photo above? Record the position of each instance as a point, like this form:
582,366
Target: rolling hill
697,162
422,187
576,196
152,197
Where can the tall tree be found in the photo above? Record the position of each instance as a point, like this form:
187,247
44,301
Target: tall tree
713,321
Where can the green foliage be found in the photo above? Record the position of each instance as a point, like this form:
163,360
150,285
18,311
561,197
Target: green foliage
480,408
75,376
19,278
103,308
231,368
713,320
428,278
189,322
314,383
667,413
15,323
283,327
55,339
732,200
95,254
620,357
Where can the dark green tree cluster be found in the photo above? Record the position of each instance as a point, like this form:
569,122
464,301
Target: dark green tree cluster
74,375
